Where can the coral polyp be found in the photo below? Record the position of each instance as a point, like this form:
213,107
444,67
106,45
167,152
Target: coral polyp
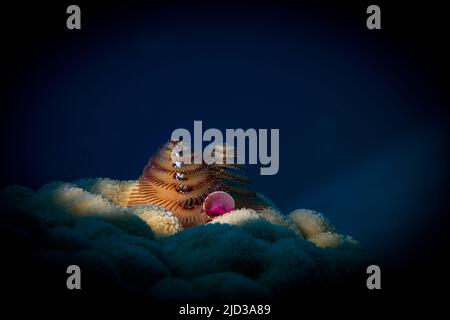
183,187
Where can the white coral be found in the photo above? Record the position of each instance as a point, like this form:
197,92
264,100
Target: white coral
115,191
107,199
161,221
317,229
237,217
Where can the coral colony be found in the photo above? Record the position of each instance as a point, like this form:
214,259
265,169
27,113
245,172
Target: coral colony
243,244
144,249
